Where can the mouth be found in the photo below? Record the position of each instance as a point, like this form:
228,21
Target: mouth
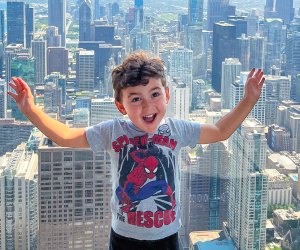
149,118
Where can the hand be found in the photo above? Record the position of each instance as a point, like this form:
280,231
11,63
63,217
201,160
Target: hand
23,95
254,84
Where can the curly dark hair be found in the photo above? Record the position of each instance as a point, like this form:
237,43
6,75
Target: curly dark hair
135,70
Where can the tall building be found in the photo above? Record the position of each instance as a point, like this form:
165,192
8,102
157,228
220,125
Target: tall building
224,41
195,13
74,198
278,138
16,22
3,99
243,51
179,101
237,92
218,10
57,17
18,193
9,127
85,70
285,10
139,13
29,13
52,98
85,20
293,53
39,52
274,44
256,52
248,188
52,37
57,60
181,64
208,203
2,26
231,68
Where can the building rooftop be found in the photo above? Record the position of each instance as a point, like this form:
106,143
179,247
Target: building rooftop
211,240
287,214
274,175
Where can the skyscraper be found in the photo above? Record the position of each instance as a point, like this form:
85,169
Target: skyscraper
224,41
231,68
18,192
139,13
3,99
16,22
52,37
57,60
237,92
85,70
274,44
256,52
57,17
74,197
29,12
285,10
39,52
2,26
85,20
248,188
218,10
181,60
195,12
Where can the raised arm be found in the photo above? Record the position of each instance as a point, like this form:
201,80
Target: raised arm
55,130
226,126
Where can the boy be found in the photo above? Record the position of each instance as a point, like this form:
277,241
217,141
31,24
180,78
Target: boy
144,150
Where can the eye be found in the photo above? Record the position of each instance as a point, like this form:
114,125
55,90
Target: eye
147,170
155,170
135,99
155,94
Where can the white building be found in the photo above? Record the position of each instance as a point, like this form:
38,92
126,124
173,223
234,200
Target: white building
237,93
3,99
18,197
280,191
179,101
74,198
248,189
85,70
231,68
103,110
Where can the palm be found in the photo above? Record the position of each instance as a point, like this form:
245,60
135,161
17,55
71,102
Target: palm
254,84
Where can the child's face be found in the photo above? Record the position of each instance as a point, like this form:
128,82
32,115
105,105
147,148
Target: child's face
145,105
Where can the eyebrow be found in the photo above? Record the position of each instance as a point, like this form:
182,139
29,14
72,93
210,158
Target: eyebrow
133,93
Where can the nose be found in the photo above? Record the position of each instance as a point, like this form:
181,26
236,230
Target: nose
146,103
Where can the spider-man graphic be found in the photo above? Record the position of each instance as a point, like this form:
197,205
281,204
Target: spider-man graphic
138,185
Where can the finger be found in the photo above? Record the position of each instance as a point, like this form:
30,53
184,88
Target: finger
17,84
14,96
14,87
260,75
261,83
251,73
23,84
257,73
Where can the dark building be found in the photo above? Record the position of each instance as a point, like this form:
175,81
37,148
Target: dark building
85,20
139,12
105,33
57,17
195,15
115,9
218,10
29,11
241,24
57,60
2,25
282,9
224,40
16,22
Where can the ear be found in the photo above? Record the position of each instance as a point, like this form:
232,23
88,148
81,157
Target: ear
120,107
167,94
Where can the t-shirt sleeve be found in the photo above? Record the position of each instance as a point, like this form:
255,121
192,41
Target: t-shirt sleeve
99,136
188,131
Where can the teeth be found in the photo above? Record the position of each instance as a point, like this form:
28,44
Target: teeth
148,116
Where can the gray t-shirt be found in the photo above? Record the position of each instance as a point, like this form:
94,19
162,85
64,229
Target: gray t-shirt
145,174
